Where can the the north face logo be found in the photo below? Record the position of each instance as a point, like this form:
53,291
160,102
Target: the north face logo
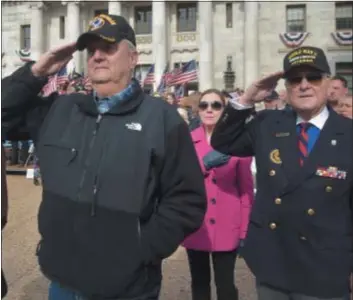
134,126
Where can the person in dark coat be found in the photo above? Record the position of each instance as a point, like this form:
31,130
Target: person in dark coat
300,236
122,186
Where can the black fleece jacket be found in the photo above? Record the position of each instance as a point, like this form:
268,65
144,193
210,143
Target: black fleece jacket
121,190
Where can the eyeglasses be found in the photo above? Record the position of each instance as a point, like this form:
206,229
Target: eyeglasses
313,78
215,105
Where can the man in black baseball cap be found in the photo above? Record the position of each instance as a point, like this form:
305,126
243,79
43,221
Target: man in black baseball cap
110,28
306,72
123,185
303,227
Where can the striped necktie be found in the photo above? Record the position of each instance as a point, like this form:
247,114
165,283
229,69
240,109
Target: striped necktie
303,140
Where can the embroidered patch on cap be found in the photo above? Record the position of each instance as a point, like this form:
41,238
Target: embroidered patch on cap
96,23
302,56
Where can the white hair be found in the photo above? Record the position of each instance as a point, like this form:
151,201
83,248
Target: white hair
131,46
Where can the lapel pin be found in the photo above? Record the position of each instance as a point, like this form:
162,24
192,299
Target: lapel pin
282,134
333,142
275,157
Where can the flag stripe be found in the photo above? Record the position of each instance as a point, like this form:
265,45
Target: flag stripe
149,79
55,81
185,78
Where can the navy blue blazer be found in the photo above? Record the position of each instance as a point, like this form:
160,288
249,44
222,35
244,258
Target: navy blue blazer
300,234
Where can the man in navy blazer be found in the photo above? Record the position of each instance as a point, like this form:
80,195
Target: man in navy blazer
299,242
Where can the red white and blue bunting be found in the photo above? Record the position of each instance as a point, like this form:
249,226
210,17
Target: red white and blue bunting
293,39
343,37
24,55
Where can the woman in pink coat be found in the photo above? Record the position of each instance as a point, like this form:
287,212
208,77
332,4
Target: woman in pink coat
229,187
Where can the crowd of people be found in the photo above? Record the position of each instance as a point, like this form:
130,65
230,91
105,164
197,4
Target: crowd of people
338,95
128,177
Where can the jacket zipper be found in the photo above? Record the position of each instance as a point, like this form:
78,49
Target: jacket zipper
140,246
94,202
86,163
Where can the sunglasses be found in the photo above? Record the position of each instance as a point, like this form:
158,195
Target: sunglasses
215,105
313,78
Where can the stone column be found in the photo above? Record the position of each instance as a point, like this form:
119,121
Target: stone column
251,43
159,39
114,8
37,29
74,29
205,45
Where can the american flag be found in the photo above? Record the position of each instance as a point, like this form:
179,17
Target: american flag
149,79
163,84
80,84
50,87
186,74
87,82
62,76
179,91
171,75
56,83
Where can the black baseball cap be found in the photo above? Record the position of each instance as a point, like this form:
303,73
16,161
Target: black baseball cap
306,56
110,28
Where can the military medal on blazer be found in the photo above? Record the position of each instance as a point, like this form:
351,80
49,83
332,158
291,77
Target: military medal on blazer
331,172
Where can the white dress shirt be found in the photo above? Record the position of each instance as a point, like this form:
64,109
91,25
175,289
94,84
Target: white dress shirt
318,121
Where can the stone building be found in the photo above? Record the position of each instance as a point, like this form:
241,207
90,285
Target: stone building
251,38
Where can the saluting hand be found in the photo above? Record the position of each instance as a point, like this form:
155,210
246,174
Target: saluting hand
52,61
260,89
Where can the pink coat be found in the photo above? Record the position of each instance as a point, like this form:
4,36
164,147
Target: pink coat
229,200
